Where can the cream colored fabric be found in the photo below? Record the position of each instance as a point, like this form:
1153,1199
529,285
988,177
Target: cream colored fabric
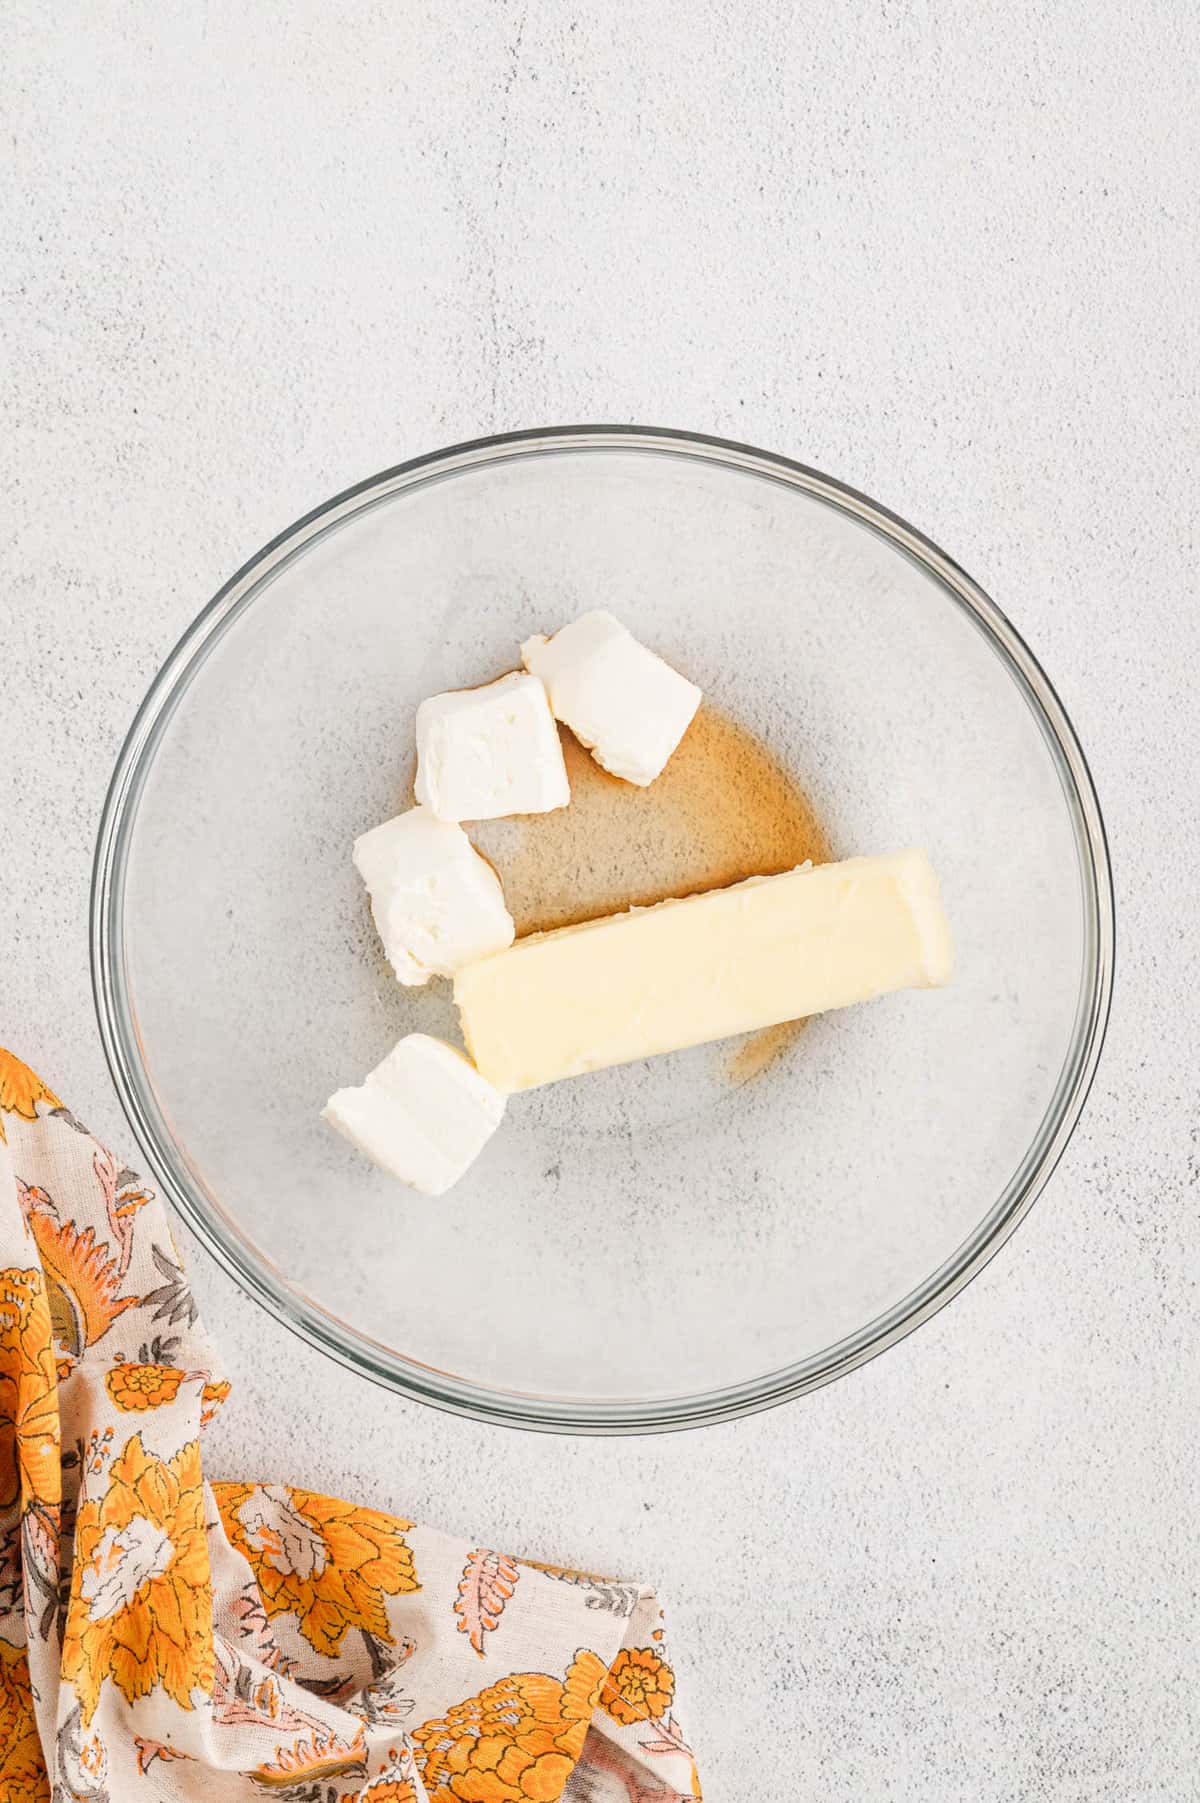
167,1637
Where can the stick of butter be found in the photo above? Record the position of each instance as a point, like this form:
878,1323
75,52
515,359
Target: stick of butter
729,961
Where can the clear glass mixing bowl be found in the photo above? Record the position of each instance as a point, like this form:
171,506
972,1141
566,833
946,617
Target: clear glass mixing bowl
668,1243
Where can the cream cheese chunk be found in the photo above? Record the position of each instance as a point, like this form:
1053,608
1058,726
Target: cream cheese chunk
436,903
484,753
628,707
729,961
424,1114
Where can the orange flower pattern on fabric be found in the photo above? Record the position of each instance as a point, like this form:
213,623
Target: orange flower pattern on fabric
487,1583
582,1685
320,1756
516,1742
143,1386
141,1607
22,1773
303,1658
329,1564
30,1470
148,1751
211,1398
93,1760
392,1790
82,1281
20,1090
639,1688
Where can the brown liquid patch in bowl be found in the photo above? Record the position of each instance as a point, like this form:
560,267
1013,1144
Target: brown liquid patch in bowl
759,1052
722,810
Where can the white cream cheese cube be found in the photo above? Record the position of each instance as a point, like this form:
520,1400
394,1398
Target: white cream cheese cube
484,753
436,903
424,1114
619,698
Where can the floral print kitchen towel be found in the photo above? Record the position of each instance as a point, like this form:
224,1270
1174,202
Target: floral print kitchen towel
167,1637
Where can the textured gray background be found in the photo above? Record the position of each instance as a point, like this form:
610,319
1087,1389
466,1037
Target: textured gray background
251,254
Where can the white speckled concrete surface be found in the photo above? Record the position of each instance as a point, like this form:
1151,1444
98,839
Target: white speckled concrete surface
948,254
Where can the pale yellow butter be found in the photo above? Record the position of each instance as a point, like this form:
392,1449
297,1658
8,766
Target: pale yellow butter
729,961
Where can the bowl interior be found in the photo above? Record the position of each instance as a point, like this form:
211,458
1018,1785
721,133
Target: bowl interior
633,1241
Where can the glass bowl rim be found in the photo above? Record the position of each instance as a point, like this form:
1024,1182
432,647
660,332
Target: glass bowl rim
261,1279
